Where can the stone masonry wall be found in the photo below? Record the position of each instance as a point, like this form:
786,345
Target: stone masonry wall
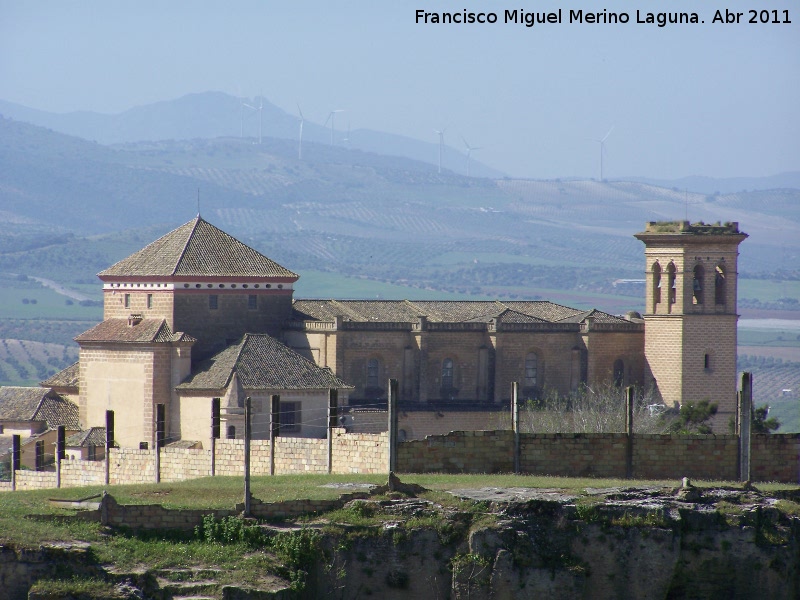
360,453
671,456
459,452
132,466
79,473
35,480
301,455
573,454
178,464
775,457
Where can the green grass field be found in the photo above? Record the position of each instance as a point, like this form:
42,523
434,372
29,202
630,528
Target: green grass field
768,337
768,291
44,303
318,284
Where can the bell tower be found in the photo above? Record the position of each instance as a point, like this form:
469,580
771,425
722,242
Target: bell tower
690,313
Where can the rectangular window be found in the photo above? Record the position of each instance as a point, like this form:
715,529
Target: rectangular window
252,301
92,452
127,300
39,455
149,300
213,302
289,417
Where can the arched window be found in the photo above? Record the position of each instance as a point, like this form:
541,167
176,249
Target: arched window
719,285
619,372
531,370
231,432
697,285
373,373
447,373
673,293
656,285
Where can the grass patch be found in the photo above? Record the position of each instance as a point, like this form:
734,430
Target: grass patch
96,589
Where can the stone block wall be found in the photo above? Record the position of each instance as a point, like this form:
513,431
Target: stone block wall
674,456
300,455
129,465
360,453
230,456
459,452
775,457
573,454
178,464
79,473
35,480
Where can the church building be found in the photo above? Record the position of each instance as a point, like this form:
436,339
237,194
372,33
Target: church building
198,315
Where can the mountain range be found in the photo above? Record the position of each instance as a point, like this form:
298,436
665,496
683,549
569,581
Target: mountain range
64,202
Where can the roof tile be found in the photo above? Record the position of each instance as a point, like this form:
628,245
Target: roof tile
197,249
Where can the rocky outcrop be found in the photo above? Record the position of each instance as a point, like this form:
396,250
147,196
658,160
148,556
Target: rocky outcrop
504,543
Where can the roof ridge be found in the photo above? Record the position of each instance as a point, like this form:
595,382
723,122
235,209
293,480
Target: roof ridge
197,220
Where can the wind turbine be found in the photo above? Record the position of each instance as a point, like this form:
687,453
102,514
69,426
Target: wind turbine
440,133
332,118
602,143
469,153
346,139
260,110
300,143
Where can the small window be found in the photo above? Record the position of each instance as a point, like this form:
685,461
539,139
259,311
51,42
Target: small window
1,429
91,452
252,301
149,300
39,455
447,373
656,284
719,285
531,369
289,417
127,300
231,432
619,372
673,292
143,445
706,362
373,373
697,285
213,302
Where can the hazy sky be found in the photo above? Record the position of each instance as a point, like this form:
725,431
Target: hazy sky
710,99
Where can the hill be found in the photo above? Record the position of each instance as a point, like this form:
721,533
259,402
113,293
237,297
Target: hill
211,115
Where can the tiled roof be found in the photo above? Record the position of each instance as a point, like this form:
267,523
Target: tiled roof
68,377
598,316
197,249
95,436
37,404
139,331
261,362
442,311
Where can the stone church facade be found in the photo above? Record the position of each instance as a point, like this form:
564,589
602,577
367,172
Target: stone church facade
198,315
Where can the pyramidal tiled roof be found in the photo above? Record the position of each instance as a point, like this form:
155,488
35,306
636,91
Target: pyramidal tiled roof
261,362
197,249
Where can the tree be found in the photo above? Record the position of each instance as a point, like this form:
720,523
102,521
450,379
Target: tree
762,424
694,417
